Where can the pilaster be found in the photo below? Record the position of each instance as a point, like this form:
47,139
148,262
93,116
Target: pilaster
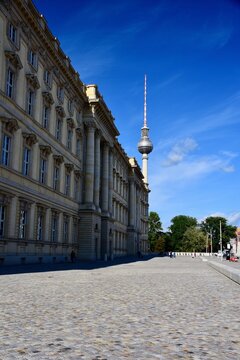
97,169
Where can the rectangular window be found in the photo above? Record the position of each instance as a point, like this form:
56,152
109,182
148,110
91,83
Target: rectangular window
54,228
39,227
46,111
56,178
10,83
6,150
43,171
65,231
30,100
26,161
67,184
60,94
58,129
47,77
69,139
12,33
70,106
32,58
2,220
23,224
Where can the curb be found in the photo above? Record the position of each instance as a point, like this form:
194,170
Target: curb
231,273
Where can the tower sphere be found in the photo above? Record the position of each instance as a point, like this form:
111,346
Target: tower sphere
145,145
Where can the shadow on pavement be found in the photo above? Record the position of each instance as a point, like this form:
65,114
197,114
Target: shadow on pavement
78,265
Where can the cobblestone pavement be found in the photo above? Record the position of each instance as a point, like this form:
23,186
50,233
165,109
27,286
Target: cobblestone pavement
157,309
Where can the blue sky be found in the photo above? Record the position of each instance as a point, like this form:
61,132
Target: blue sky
190,51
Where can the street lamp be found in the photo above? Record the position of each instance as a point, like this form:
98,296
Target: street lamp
221,240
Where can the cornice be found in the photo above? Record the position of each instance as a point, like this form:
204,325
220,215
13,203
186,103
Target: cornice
50,43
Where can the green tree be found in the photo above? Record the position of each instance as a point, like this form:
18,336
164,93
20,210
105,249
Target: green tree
211,225
194,240
155,227
179,225
160,244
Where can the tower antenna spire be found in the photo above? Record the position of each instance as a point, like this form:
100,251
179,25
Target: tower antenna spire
145,102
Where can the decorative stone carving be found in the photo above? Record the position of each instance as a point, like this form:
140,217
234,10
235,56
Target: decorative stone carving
11,125
48,98
77,173
58,159
5,199
90,123
6,3
30,138
14,59
45,150
79,131
26,29
69,167
60,111
33,80
70,123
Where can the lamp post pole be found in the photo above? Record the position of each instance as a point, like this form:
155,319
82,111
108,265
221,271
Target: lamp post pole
211,235
221,240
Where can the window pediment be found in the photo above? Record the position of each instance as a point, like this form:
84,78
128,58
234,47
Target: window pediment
48,97
33,80
30,138
14,59
60,111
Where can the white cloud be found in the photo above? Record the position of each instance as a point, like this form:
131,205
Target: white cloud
179,151
228,169
188,170
232,218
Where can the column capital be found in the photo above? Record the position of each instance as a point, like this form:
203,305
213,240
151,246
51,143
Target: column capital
90,124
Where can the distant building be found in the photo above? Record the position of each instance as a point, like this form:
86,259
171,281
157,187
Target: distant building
65,181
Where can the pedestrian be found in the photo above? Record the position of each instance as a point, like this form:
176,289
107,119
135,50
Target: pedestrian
73,256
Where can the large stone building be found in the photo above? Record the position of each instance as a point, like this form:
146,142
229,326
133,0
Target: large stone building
65,181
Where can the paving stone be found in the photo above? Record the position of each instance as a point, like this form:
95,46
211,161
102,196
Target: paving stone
157,309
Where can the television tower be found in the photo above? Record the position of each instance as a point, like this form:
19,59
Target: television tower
145,145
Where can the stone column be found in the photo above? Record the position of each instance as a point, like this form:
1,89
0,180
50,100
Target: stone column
132,203
31,219
97,169
61,178
70,230
47,225
110,182
17,150
105,178
12,217
72,190
35,162
60,227
50,170
89,176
